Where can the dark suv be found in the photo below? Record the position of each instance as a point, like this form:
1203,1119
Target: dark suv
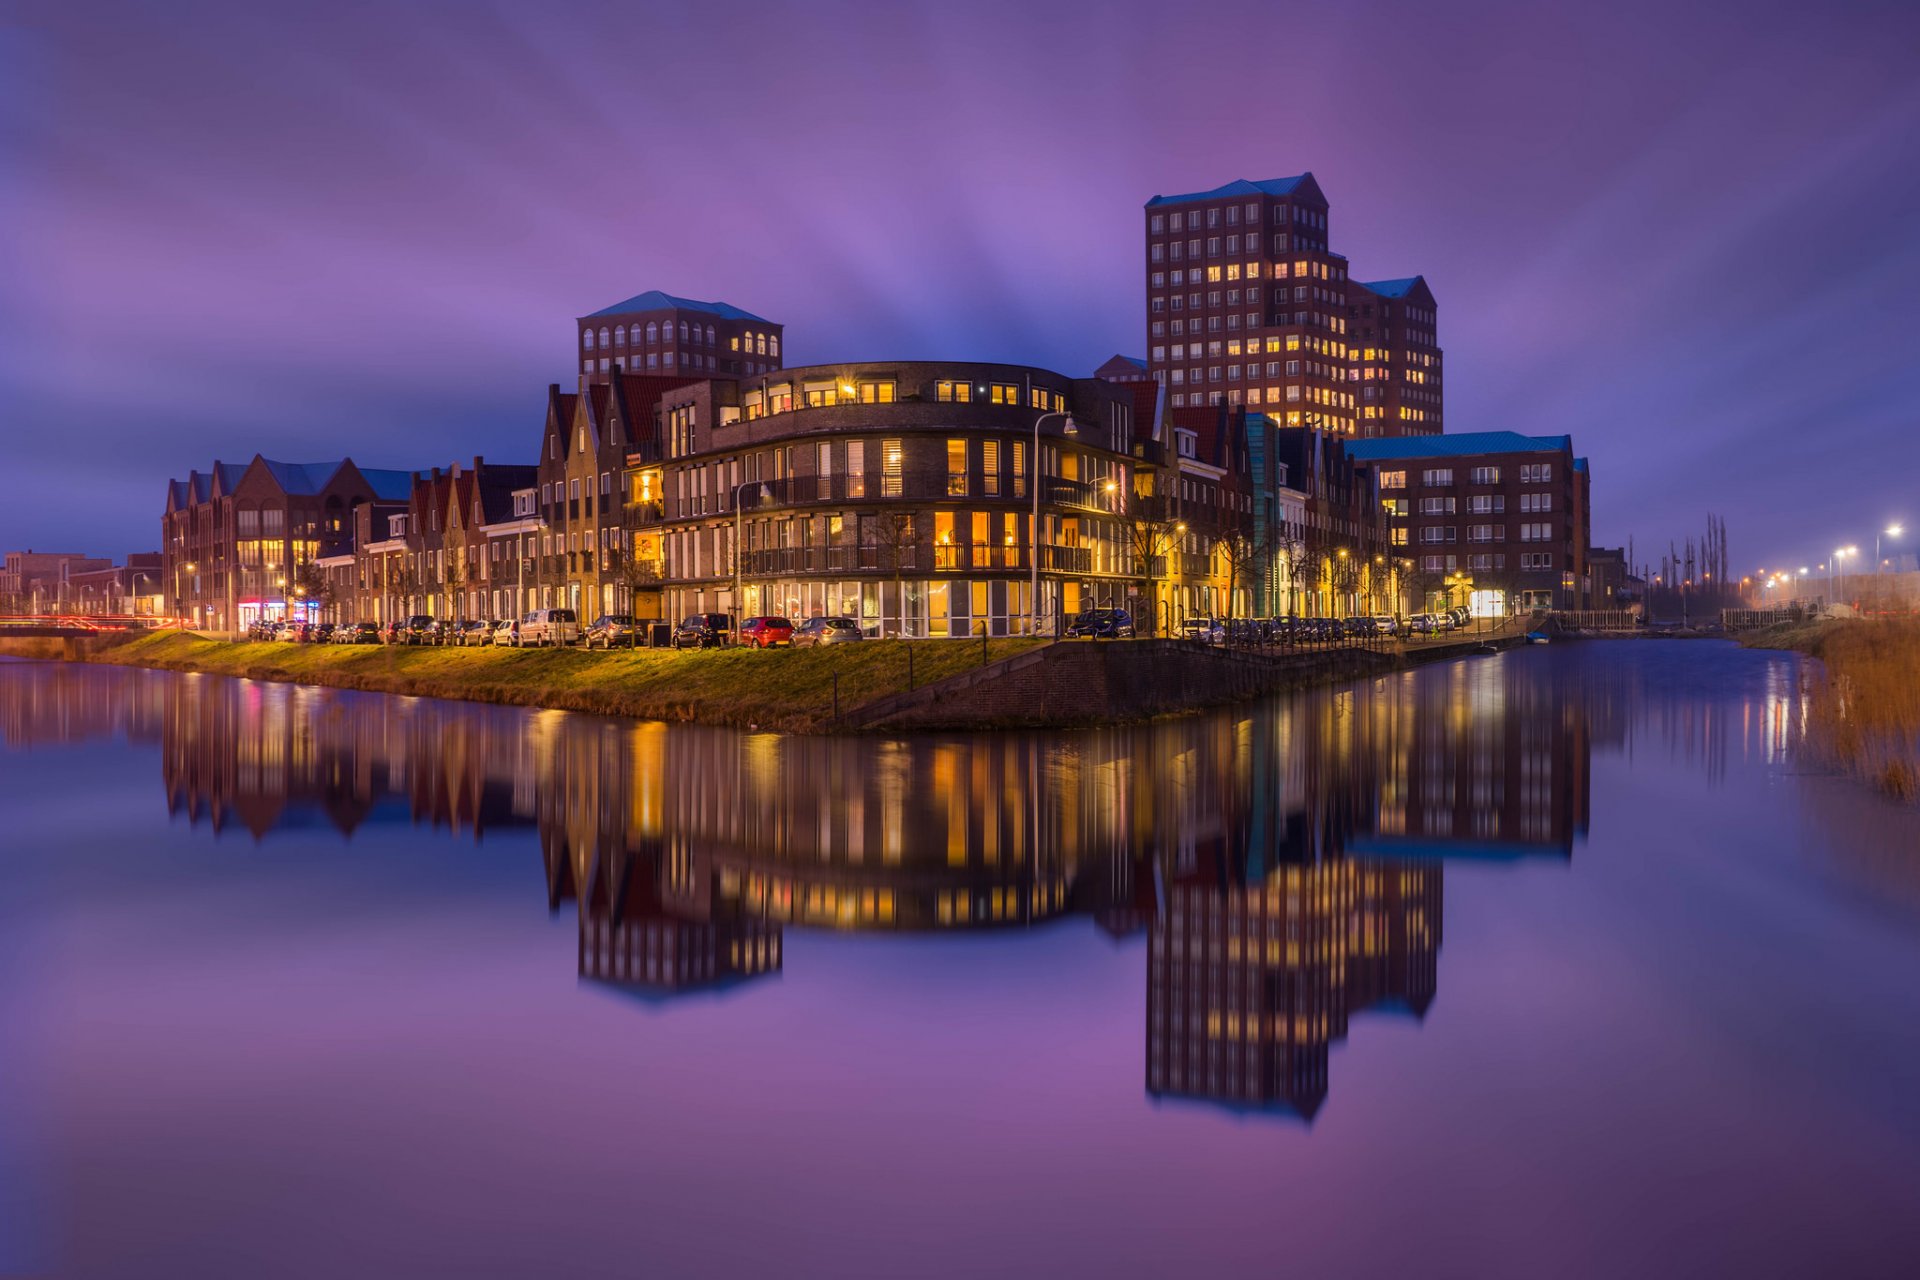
1102,624
420,629
704,631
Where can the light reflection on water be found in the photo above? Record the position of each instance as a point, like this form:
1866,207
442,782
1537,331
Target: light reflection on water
1284,868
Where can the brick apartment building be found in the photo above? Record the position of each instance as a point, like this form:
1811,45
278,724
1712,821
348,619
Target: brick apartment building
1124,369
898,493
657,333
1395,355
237,540
1247,305
131,590
38,581
1494,520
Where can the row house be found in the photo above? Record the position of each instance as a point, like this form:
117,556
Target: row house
453,550
582,557
1340,561
241,543
1232,510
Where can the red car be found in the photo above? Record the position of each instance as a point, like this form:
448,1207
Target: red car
764,633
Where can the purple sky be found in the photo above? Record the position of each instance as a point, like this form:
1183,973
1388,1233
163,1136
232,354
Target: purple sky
1688,238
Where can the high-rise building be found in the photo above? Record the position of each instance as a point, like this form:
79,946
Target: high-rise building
1247,305
1395,356
657,333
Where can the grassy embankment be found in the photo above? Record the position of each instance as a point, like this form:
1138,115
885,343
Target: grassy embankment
789,690
1864,701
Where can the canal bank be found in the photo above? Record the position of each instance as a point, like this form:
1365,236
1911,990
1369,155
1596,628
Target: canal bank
1863,700
876,685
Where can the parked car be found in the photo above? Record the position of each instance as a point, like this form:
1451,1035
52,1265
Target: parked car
1461,615
507,632
1384,624
358,633
550,627
1424,624
471,632
766,632
816,631
610,630
703,631
417,629
1102,624
1205,630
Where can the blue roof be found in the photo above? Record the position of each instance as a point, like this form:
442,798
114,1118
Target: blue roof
304,478
389,486
1455,446
1238,187
654,300
1391,288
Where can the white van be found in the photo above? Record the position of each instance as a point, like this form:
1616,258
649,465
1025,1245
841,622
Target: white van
549,627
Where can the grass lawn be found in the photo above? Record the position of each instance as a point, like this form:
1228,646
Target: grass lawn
785,689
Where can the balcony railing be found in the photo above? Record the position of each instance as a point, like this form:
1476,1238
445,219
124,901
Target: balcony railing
908,486
958,557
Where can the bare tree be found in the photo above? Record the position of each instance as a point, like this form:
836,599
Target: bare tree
890,541
454,577
1153,540
1245,555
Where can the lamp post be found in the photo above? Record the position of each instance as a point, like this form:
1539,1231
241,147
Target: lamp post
739,591
1892,531
1033,533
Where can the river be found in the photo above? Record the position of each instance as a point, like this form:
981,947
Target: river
1562,962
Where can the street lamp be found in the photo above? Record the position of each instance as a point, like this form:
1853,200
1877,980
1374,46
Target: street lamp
1033,534
1892,531
766,494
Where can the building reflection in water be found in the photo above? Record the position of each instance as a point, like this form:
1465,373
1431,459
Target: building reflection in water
1283,861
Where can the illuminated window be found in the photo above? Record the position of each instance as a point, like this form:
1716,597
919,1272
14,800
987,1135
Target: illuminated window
876,393
957,468
892,463
954,392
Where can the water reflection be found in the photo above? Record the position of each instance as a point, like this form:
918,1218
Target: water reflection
1283,861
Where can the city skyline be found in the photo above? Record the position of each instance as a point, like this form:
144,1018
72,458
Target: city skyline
379,248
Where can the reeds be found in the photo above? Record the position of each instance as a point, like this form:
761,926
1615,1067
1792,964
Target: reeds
1864,703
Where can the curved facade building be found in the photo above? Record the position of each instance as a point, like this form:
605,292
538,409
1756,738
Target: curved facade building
902,494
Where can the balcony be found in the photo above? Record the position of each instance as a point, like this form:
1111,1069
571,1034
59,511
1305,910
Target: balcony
1080,494
642,514
1056,559
909,486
